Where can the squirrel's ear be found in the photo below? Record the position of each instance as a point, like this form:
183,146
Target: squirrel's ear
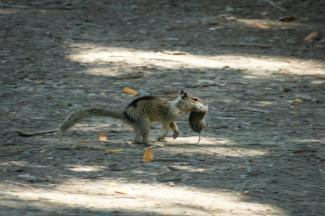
181,92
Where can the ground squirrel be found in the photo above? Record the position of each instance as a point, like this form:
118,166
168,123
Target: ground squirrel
140,113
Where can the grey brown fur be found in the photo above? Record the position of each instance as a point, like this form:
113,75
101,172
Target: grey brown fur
140,113
197,121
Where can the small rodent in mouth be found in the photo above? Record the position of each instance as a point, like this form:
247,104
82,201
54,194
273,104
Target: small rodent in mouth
197,122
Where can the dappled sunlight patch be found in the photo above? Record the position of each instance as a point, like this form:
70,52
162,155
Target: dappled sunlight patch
187,168
218,151
268,24
264,103
259,66
310,141
86,168
204,140
19,165
251,77
13,163
139,197
318,82
238,152
211,146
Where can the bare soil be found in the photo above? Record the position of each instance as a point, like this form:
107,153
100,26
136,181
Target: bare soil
263,152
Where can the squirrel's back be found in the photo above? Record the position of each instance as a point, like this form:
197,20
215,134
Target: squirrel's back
152,107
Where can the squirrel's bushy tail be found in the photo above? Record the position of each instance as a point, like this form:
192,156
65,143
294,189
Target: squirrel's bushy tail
27,134
77,116
74,118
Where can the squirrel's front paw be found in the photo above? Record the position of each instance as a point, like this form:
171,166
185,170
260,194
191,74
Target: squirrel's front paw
175,135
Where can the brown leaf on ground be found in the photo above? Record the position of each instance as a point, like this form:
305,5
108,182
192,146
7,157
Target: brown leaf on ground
130,91
103,137
148,155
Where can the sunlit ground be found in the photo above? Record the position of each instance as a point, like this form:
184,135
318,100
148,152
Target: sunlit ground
212,146
268,24
319,141
135,197
86,168
259,66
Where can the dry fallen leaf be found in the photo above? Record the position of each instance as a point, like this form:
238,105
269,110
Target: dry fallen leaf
148,155
103,137
131,91
312,36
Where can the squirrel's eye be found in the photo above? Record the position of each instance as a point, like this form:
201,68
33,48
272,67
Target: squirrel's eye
195,99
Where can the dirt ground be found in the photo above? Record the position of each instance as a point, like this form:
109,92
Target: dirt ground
259,64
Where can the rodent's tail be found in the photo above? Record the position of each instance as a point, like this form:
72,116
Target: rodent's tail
74,118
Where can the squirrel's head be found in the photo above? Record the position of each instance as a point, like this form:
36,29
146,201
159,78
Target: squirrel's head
189,103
